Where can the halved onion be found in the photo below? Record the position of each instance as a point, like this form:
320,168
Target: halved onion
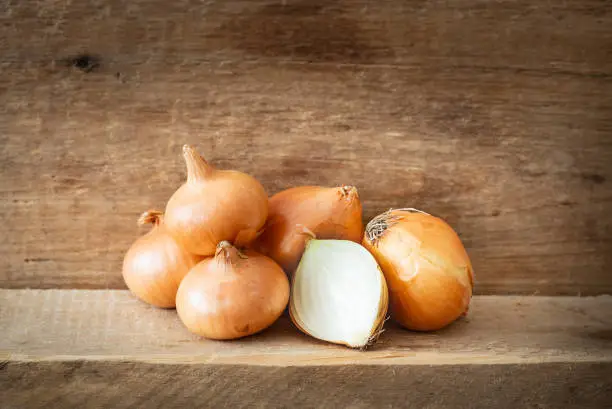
339,293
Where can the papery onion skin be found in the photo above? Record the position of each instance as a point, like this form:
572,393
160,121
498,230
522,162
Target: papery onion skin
215,205
329,213
155,264
233,294
428,270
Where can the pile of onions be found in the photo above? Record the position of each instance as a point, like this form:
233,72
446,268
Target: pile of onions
329,213
339,294
427,269
155,264
233,294
223,254
215,205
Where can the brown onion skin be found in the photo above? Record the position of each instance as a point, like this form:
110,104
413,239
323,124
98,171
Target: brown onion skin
329,213
155,264
232,295
433,288
215,205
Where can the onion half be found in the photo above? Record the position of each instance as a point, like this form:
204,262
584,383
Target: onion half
339,294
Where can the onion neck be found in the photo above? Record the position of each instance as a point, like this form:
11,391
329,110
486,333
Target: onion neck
349,192
197,167
154,217
377,227
305,231
229,253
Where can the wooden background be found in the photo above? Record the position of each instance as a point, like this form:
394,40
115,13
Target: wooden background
495,115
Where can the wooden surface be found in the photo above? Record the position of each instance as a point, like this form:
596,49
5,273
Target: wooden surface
79,348
495,115
58,325
76,384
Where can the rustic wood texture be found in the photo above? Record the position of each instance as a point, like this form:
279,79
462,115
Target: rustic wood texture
49,325
495,115
65,385
80,348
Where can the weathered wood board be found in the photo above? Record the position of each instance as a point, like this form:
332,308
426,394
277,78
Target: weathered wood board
111,325
496,116
78,348
76,384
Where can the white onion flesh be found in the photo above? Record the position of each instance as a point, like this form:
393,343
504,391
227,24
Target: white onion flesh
339,293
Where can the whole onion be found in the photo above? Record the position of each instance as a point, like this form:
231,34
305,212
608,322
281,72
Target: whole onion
428,271
215,205
233,294
155,264
328,213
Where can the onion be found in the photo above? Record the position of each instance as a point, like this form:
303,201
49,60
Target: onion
330,213
428,271
155,264
233,294
338,293
215,205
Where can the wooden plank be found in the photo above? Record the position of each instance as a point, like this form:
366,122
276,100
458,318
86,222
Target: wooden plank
51,325
503,35
101,348
65,385
493,115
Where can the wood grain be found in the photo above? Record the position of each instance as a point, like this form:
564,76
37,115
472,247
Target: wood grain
492,115
65,385
79,348
51,325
